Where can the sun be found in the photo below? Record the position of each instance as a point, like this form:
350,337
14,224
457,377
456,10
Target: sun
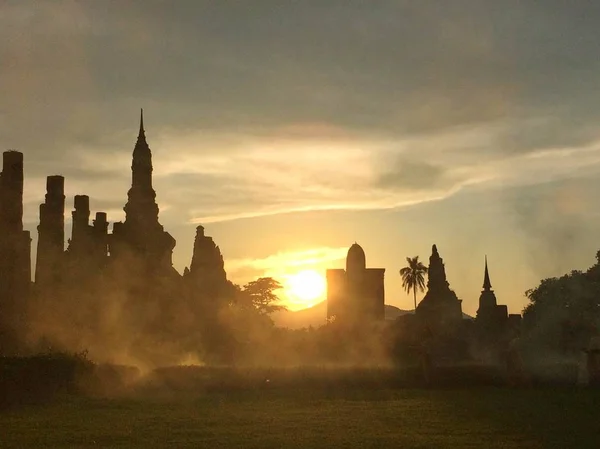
306,286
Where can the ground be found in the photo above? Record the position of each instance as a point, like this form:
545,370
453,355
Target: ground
303,418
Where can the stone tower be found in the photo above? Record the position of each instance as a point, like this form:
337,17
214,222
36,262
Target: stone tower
141,236
51,233
80,236
100,237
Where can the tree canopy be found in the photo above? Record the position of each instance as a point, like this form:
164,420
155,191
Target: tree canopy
261,295
563,312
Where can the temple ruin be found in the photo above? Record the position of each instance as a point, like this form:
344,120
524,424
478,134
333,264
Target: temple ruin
132,263
440,308
131,269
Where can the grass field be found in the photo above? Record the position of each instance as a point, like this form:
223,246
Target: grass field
301,418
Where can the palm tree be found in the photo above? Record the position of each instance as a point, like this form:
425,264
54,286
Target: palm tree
413,276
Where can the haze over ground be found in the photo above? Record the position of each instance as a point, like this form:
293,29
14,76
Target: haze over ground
293,129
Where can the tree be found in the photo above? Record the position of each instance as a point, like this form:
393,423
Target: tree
564,312
413,276
261,295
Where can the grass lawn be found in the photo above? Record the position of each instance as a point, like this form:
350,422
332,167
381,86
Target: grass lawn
301,418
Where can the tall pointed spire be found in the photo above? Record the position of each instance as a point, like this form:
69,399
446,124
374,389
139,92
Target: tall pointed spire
487,285
141,139
141,205
141,232
141,121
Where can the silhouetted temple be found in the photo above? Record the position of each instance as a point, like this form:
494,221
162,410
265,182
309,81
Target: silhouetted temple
493,319
489,311
15,250
132,265
440,307
141,238
357,293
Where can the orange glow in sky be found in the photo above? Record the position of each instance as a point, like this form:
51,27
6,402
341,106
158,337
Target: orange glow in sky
304,289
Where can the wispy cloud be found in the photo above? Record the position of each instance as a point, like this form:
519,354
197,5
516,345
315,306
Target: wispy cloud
272,177
295,260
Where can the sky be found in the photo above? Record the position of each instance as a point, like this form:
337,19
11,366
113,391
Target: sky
291,129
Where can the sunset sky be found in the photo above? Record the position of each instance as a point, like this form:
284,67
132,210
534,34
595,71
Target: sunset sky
292,129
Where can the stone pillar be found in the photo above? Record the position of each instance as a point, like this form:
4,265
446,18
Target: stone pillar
51,233
15,249
12,192
100,236
80,235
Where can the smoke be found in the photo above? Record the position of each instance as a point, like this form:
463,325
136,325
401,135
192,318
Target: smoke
554,222
151,323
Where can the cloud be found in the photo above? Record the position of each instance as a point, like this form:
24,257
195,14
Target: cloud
412,175
289,260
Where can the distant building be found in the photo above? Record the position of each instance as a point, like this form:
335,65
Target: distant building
356,293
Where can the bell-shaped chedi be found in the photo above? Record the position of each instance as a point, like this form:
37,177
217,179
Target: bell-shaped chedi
440,306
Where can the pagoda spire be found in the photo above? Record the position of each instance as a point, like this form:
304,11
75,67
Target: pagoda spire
142,132
141,205
141,139
142,159
487,285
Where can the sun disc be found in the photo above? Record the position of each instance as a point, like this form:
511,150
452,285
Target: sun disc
307,285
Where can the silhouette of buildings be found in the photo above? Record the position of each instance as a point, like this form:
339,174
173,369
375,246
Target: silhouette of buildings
15,250
134,264
440,308
356,293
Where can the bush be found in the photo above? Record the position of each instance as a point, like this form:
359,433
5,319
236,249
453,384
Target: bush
40,378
